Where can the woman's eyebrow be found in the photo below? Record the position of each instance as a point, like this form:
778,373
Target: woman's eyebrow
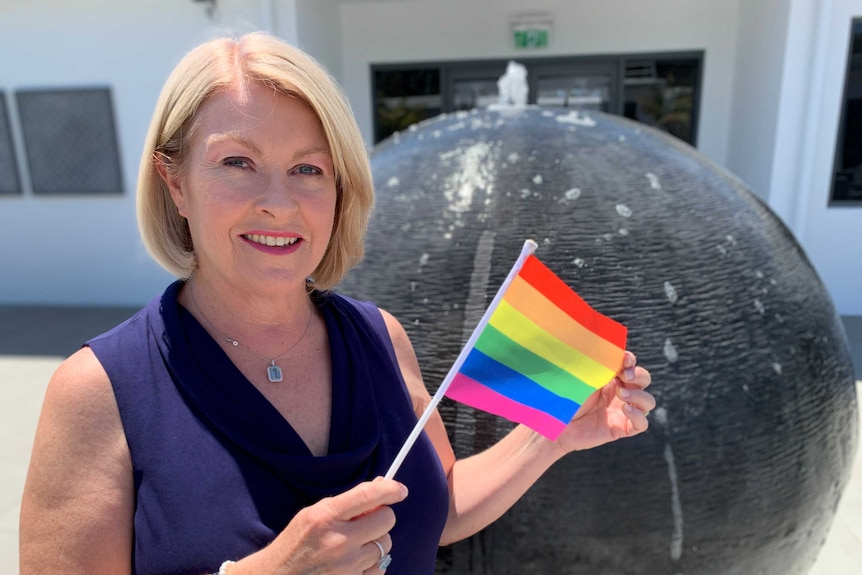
249,143
312,150
232,137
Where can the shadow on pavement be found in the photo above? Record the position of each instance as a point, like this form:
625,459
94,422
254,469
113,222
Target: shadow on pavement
54,331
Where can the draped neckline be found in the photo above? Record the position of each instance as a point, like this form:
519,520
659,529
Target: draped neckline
224,400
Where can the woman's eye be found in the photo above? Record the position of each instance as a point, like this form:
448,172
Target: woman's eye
308,170
237,162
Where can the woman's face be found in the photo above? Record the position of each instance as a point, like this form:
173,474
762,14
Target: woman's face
258,190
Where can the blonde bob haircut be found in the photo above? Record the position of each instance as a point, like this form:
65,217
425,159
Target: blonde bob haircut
216,66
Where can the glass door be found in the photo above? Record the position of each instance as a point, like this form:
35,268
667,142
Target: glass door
469,87
579,86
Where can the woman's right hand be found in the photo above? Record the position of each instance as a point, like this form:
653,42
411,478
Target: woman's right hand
335,535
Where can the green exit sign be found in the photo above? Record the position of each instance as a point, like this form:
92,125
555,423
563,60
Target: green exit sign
527,37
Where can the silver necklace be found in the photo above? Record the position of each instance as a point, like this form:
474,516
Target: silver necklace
273,372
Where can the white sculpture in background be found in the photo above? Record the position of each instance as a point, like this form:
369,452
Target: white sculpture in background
513,86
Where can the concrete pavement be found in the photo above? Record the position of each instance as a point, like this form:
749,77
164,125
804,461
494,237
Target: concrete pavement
34,340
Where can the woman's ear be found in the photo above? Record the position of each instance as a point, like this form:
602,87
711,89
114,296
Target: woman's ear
172,181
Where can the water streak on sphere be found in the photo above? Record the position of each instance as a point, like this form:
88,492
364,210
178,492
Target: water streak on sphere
751,444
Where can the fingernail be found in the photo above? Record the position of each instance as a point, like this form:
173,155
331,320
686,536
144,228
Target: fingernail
404,490
627,407
624,392
629,373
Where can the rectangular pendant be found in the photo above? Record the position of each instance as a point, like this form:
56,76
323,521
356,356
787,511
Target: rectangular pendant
274,373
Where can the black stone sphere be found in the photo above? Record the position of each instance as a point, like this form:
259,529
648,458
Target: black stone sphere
751,443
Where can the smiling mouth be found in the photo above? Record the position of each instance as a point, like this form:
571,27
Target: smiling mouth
271,241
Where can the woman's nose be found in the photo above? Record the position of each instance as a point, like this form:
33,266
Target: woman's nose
276,196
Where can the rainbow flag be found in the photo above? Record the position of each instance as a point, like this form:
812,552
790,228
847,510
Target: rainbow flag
539,352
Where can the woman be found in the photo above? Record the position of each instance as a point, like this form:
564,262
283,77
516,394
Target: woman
241,422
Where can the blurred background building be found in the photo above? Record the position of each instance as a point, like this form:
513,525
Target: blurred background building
770,89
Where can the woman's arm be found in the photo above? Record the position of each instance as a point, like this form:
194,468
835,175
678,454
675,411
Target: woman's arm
77,513
77,506
484,486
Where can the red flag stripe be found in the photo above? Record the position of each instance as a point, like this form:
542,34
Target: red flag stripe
543,279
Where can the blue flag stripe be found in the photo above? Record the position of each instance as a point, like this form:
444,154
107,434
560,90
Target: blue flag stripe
505,381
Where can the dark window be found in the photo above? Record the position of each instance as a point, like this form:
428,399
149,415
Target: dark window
70,141
404,97
661,90
662,93
847,177
9,183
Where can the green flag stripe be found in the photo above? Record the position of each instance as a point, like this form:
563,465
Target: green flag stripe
495,344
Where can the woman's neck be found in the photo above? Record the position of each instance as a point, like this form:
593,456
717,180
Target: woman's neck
266,322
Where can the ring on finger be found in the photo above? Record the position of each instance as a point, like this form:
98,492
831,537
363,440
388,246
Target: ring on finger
380,548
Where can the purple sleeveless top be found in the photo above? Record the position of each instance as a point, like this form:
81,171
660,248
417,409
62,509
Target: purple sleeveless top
218,472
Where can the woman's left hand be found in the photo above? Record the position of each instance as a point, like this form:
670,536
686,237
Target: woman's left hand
617,410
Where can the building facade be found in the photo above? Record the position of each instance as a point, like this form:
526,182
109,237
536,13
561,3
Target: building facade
763,84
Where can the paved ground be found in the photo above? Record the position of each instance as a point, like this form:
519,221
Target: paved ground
33,341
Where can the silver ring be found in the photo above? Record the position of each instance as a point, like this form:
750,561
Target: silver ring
382,552
384,562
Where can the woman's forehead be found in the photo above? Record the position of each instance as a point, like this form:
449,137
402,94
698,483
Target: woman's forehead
257,110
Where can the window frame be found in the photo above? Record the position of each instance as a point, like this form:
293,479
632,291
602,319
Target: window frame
855,24
16,171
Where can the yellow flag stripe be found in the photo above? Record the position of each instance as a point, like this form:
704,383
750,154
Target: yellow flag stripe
545,314
519,328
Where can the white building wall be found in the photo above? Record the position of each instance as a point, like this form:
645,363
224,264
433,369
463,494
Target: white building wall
319,32
795,96
283,14
759,66
416,30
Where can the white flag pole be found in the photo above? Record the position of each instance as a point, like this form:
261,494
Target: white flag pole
529,247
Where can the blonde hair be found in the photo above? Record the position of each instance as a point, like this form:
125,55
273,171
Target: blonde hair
215,66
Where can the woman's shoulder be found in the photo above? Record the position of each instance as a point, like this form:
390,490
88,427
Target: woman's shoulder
81,387
81,392
342,302
407,361
127,338
80,424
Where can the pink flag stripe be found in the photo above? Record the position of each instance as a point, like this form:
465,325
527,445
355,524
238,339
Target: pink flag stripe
474,394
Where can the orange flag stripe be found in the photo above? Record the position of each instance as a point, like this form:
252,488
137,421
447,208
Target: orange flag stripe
544,313
543,279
